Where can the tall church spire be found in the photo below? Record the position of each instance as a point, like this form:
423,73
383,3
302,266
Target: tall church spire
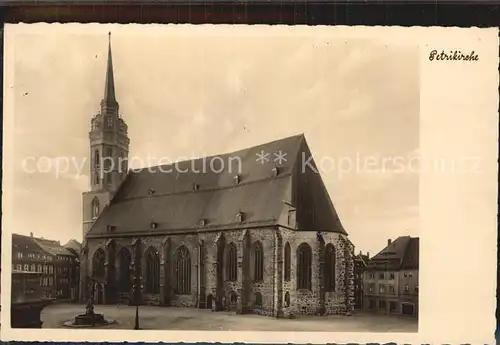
109,88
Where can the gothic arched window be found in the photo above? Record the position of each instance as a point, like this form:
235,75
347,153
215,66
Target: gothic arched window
329,268
98,264
304,261
231,263
97,160
124,274
152,271
95,208
123,167
182,271
287,259
258,255
109,165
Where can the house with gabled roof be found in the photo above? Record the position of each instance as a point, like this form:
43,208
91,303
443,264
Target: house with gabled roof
53,263
238,231
391,278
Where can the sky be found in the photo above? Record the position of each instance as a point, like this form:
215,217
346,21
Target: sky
356,101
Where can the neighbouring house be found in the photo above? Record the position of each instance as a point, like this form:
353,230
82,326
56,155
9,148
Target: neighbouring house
51,262
391,278
360,264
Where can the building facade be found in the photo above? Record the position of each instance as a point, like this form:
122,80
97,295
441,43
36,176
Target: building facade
254,237
51,261
360,264
391,278
75,248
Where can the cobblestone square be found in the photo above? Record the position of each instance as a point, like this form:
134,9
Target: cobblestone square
161,318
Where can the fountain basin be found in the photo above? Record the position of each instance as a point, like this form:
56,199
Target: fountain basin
84,320
88,320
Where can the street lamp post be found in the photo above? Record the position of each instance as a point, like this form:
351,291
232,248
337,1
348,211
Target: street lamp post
136,291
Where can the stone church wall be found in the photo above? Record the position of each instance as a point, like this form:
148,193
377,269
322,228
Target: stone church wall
273,294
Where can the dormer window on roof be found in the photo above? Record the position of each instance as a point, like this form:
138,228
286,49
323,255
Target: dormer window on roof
196,186
275,171
202,222
110,228
154,225
236,179
239,217
151,191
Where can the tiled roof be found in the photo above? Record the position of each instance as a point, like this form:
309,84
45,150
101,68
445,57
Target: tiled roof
74,246
176,198
25,243
52,247
402,253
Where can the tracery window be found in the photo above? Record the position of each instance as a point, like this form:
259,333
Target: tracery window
152,271
231,263
124,274
304,260
258,254
182,271
98,264
330,264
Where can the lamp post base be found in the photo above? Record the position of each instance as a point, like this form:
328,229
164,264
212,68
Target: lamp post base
136,326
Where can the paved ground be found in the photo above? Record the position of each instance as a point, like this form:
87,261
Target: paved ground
151,318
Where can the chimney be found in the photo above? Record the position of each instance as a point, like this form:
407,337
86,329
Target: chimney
368,255
31,234
360,253
389,241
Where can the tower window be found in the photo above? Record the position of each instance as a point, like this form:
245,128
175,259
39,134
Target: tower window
95,208
110,121
97,159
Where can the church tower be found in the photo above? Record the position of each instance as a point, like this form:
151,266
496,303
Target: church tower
109,145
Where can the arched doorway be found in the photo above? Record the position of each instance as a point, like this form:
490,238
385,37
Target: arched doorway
210,300
99,294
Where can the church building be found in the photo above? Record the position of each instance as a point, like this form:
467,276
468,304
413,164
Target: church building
239,231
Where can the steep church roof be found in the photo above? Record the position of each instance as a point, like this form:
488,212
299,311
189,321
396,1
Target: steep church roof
186,197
